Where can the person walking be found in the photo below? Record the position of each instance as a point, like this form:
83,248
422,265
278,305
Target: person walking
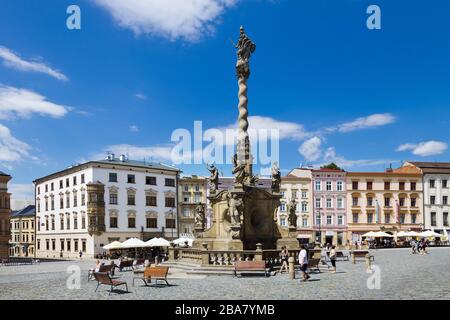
284,255
303,261
81,254
413,246
333,256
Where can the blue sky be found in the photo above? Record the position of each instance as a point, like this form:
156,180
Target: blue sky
137,70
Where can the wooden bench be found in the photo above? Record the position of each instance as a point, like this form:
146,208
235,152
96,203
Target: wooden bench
313,264
105,279
157,273
341,255
125,264
104,268
361,254
250,266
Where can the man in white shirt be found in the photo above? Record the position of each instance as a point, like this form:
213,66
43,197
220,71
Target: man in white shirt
303,260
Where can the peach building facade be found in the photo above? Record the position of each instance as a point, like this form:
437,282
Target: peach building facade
388,201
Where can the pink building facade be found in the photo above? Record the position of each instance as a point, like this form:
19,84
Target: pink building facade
329,206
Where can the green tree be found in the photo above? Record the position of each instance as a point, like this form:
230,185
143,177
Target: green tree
332,165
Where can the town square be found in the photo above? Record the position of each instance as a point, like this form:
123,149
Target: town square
106,192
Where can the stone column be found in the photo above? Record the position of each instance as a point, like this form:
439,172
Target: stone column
368,262
291,268
259,252
205,254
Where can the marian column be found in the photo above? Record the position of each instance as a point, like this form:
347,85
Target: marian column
243,161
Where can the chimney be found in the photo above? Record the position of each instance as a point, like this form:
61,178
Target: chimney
122,158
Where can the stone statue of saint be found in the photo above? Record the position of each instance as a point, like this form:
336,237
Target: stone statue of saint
235,208
238,171
213,179
245,47
199,216
276,178
292,206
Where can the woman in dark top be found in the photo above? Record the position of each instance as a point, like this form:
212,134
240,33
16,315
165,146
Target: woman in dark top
284,255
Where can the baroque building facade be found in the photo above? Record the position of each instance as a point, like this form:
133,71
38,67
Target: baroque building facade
388,201
23,232
436,194
87,206
5,212
192,190
329,201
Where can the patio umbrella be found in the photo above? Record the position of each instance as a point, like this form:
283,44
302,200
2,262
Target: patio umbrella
429,233
382,234
113,245
182,241
412,234
157,242
369,234
133,243
402,234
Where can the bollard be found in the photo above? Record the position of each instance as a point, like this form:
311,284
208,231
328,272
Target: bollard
353,258
291,268
368,262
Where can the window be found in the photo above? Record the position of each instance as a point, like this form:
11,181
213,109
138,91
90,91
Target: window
283,207
354,185
340,186
197,188
445,219
432,199
186,212
68,245
413,202
369,217
318,202
444,184
329,220
75,245
52,204
52,186
169,182
131,222
38,190
47,244
46,188
369,185
83,245
150,180
83,199
152,223
387,218
186,188
53,222
39,244
75,222
112,177
113,198
67,182
355,201
304,207
329,203
61,222
433,219
61,184
83,222
131,178
445,200
432,183
317,185
170,223
304,222
387,202
170,202
355,217
46,204
67,201
62,244
61,202
283,222
82,178
340,220
387,185
328,185
282,193
402,218
413,218
53,244
402,202
68,221
131,199
304,194
370,201
75,200
113,222
413,186
318,219
340,203
74,180
38,206
46,223
401,185
38,224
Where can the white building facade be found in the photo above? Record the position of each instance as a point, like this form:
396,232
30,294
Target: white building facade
436,194
90,205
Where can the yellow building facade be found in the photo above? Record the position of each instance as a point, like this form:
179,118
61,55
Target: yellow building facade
23,232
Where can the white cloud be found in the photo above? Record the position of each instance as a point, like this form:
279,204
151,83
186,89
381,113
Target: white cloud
423,149
134,128
11,148
21,191
12,60
23,103
140,96
374,120
175,19
331,156
288,130
311,149
157,153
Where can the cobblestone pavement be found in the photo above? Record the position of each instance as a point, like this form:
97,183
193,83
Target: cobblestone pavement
403,276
